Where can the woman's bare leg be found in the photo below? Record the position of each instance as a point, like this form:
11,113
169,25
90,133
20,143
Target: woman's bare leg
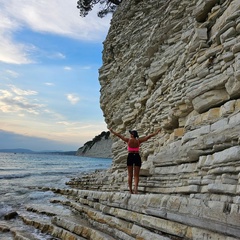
136,178
130,177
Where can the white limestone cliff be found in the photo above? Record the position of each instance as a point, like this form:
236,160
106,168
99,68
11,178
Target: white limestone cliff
175,65
172,64
100,149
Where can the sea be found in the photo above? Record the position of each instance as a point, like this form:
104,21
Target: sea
23,174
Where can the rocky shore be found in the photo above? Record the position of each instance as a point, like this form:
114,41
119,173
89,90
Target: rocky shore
104,214
175,65
80,214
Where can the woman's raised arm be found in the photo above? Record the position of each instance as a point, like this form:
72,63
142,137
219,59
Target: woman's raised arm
119,135
144,139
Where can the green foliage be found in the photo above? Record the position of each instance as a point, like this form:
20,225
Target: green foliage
108,6
107,135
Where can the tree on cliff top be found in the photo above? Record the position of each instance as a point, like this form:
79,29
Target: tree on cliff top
108,6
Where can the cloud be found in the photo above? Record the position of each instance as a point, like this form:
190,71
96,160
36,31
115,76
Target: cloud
65,123
19,91
15,100
56,17
49,84
73,98
76,125
67,68
86,68
59,17
12,73
12,52
57,55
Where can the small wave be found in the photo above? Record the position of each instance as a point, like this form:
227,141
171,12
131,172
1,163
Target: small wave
12,176
40,195
4,209
57,173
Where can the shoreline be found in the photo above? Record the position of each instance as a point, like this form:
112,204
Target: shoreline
101,213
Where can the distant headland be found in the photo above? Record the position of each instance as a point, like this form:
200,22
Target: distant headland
23,150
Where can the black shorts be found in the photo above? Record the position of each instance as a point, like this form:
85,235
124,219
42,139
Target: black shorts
134,159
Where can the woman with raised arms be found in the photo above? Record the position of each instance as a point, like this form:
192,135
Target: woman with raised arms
134,162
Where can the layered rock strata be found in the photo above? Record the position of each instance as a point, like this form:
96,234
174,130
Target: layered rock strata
101,215
175,65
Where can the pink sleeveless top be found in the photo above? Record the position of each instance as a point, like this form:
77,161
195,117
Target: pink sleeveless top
136,149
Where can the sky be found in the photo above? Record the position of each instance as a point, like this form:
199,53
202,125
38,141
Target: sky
49,61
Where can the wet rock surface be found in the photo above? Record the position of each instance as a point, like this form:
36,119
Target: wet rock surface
169,64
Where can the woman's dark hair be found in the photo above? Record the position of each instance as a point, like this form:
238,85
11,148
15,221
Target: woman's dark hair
134,133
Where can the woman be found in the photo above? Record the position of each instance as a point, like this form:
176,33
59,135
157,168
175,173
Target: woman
134,160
